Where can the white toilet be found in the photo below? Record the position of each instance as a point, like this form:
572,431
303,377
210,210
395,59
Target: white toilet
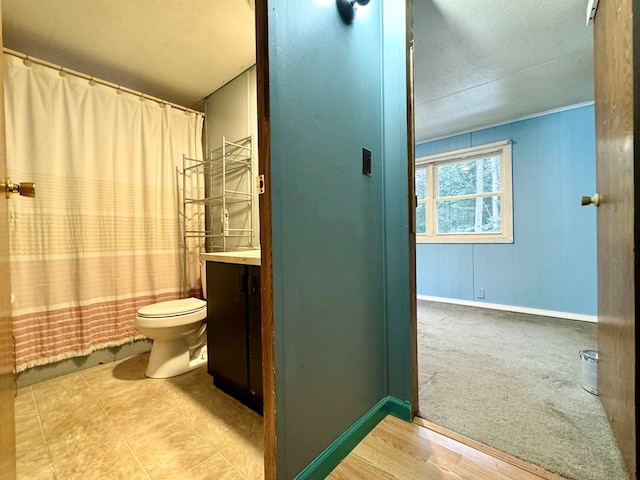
179,334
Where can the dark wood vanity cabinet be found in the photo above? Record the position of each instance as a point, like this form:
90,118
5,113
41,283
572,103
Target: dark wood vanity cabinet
234,335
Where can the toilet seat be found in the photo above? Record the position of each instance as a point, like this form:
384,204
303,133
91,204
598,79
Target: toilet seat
172,313
172,307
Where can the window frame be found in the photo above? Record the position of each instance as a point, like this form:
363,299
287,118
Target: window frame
431,162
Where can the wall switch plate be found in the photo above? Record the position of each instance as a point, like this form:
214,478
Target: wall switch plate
366,162
480,293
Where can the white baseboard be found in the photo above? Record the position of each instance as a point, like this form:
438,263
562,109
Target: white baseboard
510,308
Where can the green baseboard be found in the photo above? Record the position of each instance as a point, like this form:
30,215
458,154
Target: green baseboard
340,448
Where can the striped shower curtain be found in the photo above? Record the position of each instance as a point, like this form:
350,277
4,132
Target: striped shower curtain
102,237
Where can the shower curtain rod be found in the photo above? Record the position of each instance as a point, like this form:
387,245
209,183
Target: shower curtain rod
28,58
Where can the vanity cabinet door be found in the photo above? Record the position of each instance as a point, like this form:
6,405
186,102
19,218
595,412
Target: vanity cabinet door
227,326
255,335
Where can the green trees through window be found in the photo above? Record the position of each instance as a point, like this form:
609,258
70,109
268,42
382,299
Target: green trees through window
459,197
472,210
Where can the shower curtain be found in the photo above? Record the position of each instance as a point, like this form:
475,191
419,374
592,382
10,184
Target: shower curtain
102,237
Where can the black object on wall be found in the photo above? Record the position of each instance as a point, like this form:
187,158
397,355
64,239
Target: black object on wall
347,9
366,162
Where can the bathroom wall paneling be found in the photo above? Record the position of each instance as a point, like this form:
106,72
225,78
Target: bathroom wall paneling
231,113
7,386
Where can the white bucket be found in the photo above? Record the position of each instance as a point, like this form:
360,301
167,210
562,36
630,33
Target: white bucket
589,364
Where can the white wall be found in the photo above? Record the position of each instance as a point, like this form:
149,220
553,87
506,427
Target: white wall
232,112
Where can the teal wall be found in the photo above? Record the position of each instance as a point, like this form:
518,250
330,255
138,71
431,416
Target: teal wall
331,263
551,264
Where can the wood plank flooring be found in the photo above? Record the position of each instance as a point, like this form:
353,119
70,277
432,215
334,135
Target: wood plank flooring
396,449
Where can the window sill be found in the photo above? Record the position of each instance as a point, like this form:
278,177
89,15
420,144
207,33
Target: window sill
474,238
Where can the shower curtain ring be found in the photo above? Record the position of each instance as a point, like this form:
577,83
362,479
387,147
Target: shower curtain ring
26,61
62,73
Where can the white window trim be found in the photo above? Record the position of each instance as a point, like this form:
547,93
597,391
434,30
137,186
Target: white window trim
502,148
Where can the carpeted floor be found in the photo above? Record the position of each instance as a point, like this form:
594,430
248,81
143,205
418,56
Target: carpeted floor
512,381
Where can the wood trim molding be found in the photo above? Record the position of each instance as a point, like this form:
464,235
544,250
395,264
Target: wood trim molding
505,457
411,201
266,269
342,446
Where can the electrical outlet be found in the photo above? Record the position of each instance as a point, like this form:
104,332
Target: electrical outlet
480,293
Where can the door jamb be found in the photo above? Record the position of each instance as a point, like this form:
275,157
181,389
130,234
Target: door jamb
266,268
411,200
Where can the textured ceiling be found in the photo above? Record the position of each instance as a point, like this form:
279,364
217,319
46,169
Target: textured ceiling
178,50
483,62
477,62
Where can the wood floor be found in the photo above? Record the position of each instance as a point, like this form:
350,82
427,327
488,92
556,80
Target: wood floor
396,449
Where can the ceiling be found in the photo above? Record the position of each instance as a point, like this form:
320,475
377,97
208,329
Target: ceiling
485,62
177,50
477,62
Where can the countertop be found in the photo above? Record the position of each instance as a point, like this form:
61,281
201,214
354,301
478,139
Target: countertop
242,257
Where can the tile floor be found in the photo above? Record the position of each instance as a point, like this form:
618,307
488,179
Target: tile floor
111,422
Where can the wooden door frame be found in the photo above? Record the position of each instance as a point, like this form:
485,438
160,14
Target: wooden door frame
411,203
266,239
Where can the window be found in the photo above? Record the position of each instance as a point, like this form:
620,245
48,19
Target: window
464,196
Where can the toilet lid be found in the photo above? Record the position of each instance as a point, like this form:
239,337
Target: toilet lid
172,308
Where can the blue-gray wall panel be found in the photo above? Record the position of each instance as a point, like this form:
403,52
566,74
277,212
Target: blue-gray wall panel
552,263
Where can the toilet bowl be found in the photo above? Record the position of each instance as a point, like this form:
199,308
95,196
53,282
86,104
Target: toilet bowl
179,335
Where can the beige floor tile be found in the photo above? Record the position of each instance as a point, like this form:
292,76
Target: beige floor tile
133,404
119,374
112,422
26,415
212,413
80,422
32,456
24,405
247,454
33,474
31,448
167,446
196,386
215,468
96,460
221,426
68,392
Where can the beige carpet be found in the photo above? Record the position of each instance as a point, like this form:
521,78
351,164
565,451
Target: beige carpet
512,381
